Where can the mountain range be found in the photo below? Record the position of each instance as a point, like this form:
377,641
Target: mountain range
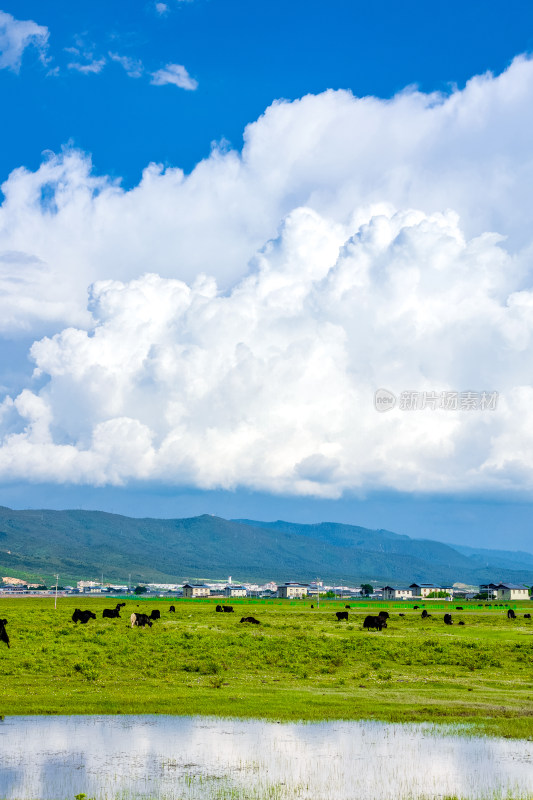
38,544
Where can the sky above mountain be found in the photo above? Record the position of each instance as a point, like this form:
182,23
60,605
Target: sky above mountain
269,260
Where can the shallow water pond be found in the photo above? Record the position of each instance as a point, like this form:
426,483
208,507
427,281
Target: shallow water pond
206,757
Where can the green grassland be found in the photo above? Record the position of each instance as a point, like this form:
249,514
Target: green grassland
300,663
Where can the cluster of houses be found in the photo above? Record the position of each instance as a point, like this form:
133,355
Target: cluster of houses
416,591
289,590
494,591
506,591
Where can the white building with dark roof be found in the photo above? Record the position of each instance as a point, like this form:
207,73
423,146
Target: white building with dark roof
293,590
425,589
231,590
512,591
195,590
394,593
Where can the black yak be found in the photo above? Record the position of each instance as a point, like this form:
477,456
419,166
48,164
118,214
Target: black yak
82,616
113,612
374,622
3,633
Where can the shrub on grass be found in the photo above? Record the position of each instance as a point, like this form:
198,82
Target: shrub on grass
87,669
191,667
210,668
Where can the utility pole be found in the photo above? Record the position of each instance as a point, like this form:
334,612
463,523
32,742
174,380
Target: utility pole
55,601
317,593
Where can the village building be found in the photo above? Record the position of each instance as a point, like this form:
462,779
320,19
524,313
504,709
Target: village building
491,589
10,589
393,593
195,590
425,589
235,591
512,591
264,593
293,590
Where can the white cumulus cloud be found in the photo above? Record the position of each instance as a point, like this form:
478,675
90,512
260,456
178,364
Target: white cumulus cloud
353,244
271,385
15,36
335,153
174,74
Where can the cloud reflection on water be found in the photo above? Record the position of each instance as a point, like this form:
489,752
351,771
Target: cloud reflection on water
196,757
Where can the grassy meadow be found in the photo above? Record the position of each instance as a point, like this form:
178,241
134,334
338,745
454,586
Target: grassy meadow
300,663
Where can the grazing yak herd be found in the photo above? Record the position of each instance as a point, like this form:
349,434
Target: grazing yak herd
141,620
136,619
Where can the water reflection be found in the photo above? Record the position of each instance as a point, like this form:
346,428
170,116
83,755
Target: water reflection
198,757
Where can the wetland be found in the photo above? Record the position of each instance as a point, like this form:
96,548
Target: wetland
298,664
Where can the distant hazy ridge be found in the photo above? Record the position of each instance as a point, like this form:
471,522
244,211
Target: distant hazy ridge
84,544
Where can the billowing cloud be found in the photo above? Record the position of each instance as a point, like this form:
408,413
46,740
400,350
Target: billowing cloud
353,244
174,74
470,151
271,385
15,36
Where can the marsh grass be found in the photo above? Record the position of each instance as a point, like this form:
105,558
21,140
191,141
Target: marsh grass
299,664
280,792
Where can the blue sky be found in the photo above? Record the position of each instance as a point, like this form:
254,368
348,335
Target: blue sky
355,245
243,58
